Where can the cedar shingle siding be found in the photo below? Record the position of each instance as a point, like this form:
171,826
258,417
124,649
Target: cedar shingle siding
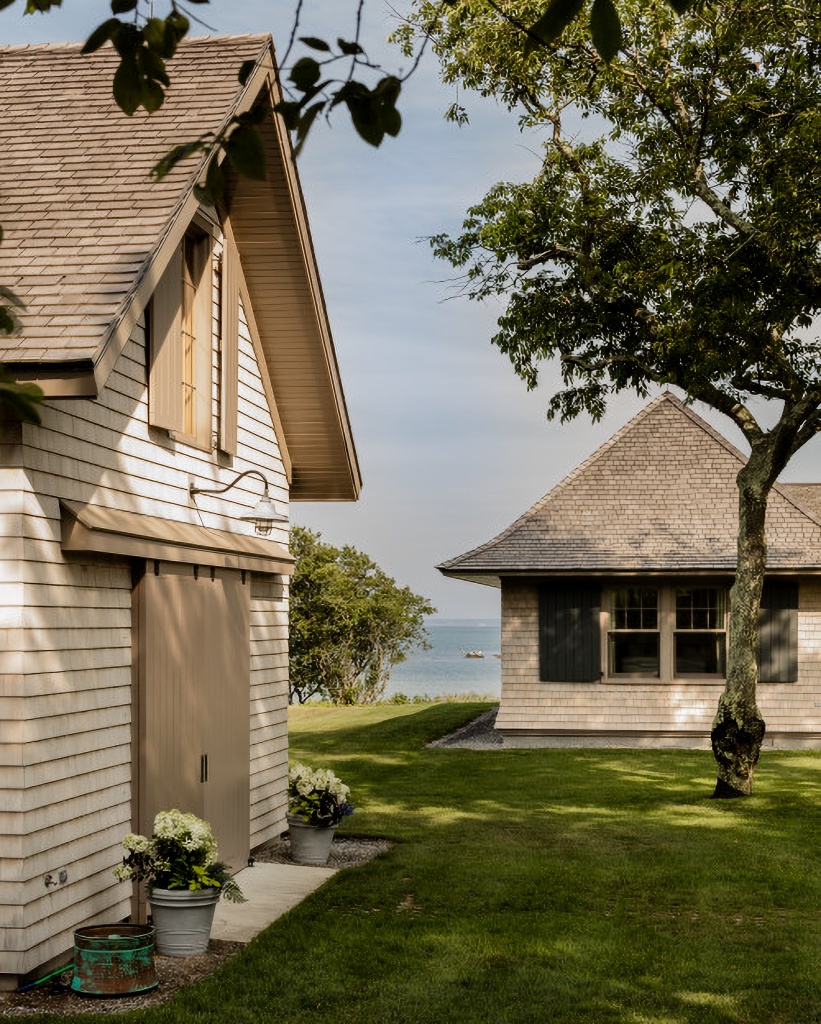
656,506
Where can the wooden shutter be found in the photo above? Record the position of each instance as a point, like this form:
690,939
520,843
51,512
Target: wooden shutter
229,349
569,633
778,633
165,361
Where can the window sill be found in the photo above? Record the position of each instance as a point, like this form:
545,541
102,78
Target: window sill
625,680
192,442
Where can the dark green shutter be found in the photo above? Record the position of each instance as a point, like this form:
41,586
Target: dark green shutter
569,634
778,633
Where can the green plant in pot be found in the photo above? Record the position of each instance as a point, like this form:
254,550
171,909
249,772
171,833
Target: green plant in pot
184,879
317,803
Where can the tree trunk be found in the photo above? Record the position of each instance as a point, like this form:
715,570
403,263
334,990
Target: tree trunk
738,728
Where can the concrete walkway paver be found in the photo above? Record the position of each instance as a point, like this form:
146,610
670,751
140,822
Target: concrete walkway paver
271,890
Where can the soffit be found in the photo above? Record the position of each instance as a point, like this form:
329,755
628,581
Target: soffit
279,264
99,530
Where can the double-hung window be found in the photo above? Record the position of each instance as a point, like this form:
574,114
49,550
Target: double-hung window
633,645
700,636
667,632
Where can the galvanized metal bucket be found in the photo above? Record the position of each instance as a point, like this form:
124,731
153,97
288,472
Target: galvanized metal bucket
182,919
310,844
114,960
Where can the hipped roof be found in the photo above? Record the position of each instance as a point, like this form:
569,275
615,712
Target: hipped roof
659,497
87,232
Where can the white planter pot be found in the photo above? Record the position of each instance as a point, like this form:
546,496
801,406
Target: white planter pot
310,844
182,920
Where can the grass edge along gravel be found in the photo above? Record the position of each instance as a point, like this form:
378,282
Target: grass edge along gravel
590,886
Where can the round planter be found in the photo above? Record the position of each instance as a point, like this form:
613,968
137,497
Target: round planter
182,920
310,844
114,960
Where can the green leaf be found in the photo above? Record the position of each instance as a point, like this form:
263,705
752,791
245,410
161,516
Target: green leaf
681,6
177,154
304,123
366,120
127,39
246,70
349,49
19,401
128,90
176,28
152,96
388,89
156,38
315,44
391,121
305,73
214,181
101,35
605,29
290,112
246,152
553,22
123,6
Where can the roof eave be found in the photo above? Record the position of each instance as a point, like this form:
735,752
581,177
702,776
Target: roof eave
73,378
484,575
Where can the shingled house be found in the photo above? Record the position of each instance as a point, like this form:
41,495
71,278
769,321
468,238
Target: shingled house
144,625
615,588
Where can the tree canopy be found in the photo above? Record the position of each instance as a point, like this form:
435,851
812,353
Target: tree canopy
350,622
672,236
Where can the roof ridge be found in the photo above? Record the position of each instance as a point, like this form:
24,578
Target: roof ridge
188,41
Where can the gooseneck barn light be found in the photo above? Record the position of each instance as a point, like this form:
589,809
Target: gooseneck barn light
264,514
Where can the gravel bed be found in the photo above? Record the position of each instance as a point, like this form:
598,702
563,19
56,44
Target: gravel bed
480,734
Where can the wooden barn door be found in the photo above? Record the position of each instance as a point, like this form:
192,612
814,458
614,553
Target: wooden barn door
192,716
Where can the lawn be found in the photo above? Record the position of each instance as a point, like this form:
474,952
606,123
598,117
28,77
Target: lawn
539,886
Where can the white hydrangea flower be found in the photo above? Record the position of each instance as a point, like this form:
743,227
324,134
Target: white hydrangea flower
136,843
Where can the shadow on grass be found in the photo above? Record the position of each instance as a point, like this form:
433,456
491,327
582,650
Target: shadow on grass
596,887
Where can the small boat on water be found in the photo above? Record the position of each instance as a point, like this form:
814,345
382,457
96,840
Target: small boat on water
474,654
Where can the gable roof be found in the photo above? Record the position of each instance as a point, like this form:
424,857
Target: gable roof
659,497
87,233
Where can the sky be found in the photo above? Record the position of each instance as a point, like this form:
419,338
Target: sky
452,446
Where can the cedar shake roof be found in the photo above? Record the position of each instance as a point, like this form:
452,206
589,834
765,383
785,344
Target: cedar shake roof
660,496
87,232
80,214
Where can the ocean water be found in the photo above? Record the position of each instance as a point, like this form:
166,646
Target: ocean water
444,670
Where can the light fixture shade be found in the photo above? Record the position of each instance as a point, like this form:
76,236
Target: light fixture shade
265,513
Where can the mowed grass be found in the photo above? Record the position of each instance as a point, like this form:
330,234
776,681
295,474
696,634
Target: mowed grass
541,885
